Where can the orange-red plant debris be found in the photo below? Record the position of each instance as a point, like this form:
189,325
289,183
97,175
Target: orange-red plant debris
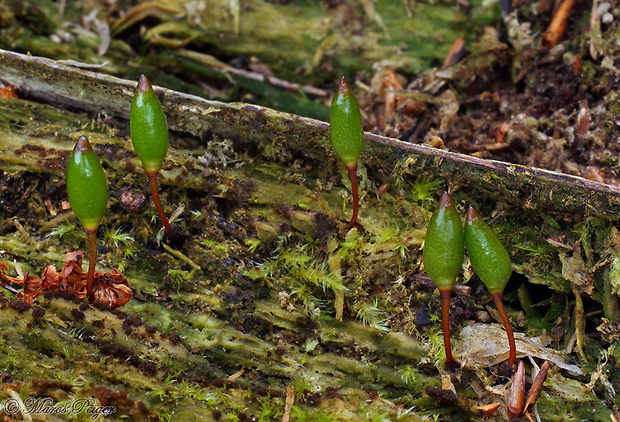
8,91
110,288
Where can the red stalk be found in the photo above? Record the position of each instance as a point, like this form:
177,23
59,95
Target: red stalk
445,319
155,192
92,260
499,304
353,178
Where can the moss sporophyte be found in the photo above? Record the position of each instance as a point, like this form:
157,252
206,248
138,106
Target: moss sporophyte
87,189
491,262
443,258
347,135
149,136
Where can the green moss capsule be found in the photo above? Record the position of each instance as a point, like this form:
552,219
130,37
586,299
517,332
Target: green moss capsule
443,257
148,127
444,249
346,130
87,189
149,136
347,135
491,262
486,252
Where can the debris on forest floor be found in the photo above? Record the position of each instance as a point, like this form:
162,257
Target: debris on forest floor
483,345
506,97
109,288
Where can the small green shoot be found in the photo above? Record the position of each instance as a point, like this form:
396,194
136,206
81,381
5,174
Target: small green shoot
408,375
252,244
270,411
423,189
433,340
301,385
370,315
60,230
374,415
118,238
178,278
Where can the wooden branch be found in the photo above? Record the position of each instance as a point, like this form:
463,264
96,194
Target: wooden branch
65,86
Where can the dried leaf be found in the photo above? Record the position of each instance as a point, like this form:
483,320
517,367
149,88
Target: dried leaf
111,289
483,345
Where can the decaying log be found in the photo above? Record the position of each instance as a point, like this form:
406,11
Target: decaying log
264,259
46,80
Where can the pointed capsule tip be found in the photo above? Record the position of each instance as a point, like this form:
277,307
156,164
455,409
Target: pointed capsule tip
82,144
445,201
143,84
343,86
472,214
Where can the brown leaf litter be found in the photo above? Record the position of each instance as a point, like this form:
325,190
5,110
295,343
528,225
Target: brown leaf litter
110,288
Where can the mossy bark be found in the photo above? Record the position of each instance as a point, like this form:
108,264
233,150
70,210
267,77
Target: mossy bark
248,285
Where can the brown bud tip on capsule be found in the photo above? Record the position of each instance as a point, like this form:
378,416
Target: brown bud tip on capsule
82,144
445,201
343,86
472,214
143,84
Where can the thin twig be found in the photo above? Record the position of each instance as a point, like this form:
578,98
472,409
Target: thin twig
557,27
290,398
181,256
209,61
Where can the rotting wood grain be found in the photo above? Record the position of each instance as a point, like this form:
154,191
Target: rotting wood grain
47,80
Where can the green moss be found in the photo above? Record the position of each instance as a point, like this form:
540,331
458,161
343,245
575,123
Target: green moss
268,309
371,315
60,230
312,415
423,189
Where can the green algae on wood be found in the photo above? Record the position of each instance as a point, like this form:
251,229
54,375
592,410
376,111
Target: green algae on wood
205,315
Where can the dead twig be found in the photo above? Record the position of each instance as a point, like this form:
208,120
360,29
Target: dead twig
557,27
211,62
515,399
537,385
290,398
